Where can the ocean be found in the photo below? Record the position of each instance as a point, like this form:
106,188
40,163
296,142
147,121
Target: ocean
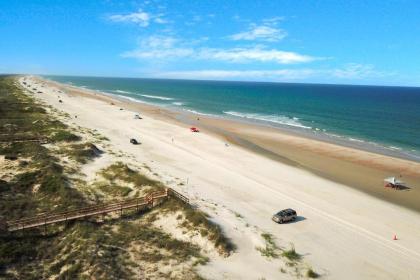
385,119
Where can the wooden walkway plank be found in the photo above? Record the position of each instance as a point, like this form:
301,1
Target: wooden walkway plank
44,219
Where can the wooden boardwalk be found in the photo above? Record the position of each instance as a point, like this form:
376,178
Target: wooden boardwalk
45,219
7,138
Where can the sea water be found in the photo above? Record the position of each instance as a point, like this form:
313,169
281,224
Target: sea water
378,117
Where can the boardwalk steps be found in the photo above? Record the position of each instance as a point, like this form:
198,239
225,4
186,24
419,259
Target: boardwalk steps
45,219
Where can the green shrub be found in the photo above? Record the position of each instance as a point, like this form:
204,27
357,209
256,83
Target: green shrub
310,273
82,153
65,136
271,250
291,254
120,171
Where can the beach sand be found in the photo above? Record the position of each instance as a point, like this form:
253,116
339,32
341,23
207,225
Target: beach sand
346,217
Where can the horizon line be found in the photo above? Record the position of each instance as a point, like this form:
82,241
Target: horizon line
214,80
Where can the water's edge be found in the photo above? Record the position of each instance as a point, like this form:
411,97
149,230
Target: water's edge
288,125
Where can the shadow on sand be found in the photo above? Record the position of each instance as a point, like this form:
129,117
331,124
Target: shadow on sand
297,220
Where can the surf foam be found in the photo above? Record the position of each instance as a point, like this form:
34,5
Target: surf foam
283,120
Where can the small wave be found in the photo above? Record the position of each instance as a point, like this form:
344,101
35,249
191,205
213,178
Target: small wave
283,120
356,140
334,135
198,113
178,103
132,99
121,91
156,97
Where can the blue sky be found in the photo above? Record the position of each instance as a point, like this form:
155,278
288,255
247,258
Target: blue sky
351,42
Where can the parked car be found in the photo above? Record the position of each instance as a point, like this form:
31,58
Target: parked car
133,141
285,215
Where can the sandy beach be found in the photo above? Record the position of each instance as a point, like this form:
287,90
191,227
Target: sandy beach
240,174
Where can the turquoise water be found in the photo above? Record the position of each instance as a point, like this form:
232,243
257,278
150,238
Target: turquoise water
385,118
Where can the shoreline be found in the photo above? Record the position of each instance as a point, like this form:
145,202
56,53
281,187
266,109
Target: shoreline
341,232
371,146
356,168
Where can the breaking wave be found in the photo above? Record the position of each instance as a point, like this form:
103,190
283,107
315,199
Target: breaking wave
121,91
178,103
198,113
283,120
132,99
156,97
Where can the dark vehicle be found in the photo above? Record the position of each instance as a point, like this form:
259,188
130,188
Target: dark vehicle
134,141
285,215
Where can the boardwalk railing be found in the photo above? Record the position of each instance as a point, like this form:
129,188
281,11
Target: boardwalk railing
15,139
140,203
178,195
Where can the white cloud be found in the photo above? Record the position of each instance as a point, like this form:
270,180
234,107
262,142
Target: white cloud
273,20
261,32
159,54
266,31
358,71
156,42
279,75
169,47
140,17
256,54
324,75
161,20
161,47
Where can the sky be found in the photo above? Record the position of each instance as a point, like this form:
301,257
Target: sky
340,42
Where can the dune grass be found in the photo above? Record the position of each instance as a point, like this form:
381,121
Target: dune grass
310,273
271,250
121,171
291,254
196,219
117,249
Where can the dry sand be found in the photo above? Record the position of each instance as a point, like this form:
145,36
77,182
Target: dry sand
342,232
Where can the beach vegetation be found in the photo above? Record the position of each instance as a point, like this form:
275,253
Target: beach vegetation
82,153
198,220
127,247
270,250
291,254
121,171
66,136
310,273
237,215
